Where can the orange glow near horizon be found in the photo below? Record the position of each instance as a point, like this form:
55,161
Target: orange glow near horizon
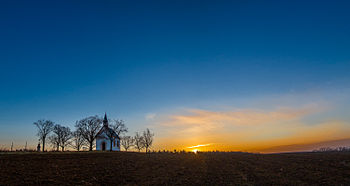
247,130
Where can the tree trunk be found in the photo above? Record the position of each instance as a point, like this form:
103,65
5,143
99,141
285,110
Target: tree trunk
111,145
44,144
90,148
58,147
62,148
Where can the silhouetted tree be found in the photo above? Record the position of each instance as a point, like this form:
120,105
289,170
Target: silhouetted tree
110,134
55,138
118,126
55,142
127,142
147,139
139,144
77,140
66,135
44,128
89,128
61,136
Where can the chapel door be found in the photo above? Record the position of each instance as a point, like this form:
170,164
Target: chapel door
103,146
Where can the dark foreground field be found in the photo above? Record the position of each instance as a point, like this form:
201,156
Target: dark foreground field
121,168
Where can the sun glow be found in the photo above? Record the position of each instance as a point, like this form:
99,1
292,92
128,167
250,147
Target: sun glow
204,145
195,150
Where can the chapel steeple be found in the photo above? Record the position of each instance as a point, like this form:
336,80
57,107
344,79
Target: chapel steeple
105,121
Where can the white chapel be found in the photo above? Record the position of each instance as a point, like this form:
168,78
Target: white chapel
103,142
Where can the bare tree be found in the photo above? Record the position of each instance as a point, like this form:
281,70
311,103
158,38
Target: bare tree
78,141
139,145
44,128
118,126
55,138
61,136
111,136
127,142
89,128
55,142
66,135
147,139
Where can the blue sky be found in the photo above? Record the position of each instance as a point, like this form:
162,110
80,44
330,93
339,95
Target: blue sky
64,60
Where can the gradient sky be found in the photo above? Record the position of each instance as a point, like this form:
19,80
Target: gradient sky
227,75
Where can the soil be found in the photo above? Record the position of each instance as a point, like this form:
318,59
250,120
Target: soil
130,168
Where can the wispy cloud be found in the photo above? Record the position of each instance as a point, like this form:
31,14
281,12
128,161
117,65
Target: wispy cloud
247,129
196,120
239,118
150,116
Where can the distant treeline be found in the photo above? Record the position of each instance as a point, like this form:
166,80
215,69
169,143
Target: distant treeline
333,149
2,149
197,152
323,149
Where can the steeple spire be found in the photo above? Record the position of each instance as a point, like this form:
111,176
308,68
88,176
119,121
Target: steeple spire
105,121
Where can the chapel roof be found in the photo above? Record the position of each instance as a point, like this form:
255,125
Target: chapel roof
105,128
